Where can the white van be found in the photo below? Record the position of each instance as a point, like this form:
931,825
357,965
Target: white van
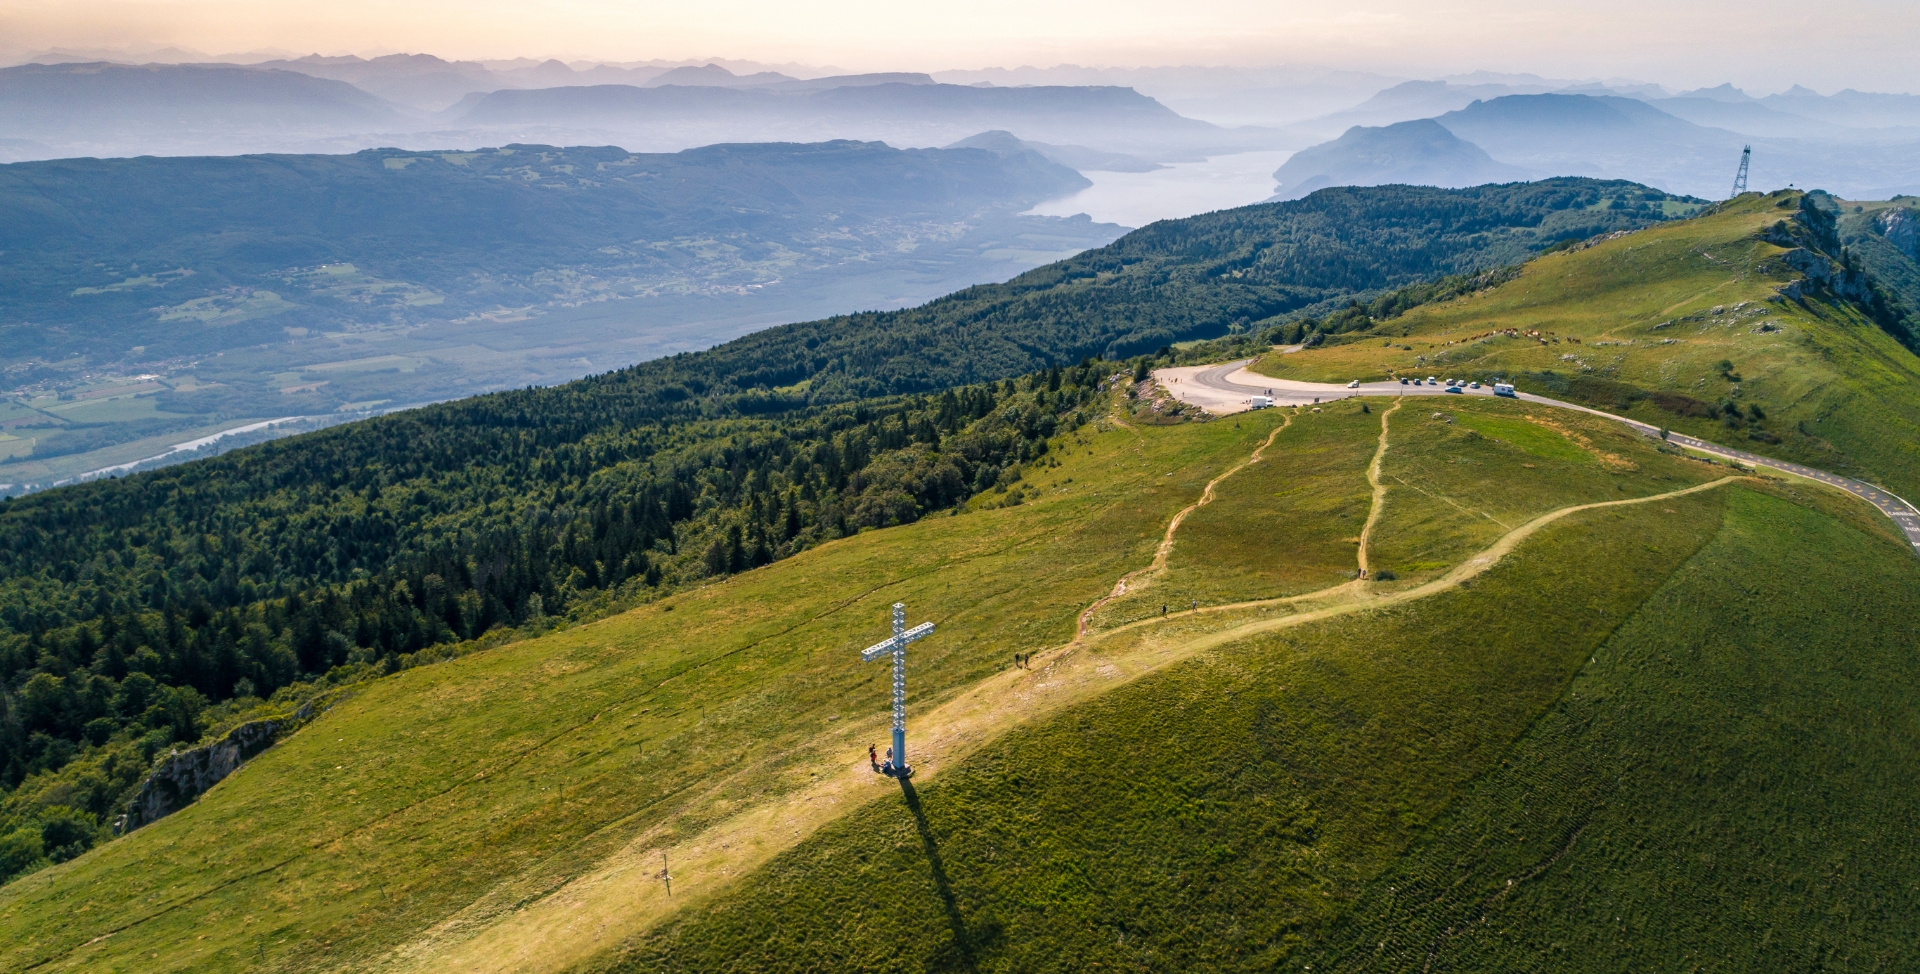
1504,389
1262,402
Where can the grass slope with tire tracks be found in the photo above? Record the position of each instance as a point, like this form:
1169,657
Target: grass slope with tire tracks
1245,811
1721,789
1234,810
1199,819
1682,326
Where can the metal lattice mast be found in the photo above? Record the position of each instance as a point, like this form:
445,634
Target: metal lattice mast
1740,178
896,646
900,685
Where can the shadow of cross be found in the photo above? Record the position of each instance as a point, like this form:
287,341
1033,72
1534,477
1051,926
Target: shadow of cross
897,645
967,943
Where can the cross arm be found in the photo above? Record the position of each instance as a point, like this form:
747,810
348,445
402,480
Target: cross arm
900,641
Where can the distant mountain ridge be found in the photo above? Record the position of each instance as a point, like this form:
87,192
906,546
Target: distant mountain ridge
418,80
329,105
1419,153
99,102
1109,118
715,76
1076,157
1618,137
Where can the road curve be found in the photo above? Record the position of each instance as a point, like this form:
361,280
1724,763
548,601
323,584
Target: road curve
1229,388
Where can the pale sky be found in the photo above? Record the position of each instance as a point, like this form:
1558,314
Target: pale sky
1761,44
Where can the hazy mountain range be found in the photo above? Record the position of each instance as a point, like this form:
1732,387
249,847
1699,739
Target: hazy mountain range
425,82
1421,152
110,109
1077,157
1659,141
1851,142
1850,116
1108,118
343,104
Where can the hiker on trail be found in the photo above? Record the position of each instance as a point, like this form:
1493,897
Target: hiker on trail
872,758
1163,608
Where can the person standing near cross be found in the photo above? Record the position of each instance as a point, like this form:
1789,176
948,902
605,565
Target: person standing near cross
897,646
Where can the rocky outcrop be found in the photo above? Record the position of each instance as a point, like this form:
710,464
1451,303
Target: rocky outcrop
1811,244
1901,227
185,775
1822,275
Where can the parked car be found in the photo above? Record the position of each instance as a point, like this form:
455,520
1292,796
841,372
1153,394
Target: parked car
1459,389
1355,384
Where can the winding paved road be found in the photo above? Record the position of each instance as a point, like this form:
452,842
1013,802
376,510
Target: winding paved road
1229,388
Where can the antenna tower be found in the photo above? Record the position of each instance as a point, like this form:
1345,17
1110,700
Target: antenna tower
1740,178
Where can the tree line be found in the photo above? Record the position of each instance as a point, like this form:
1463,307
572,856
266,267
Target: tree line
129,609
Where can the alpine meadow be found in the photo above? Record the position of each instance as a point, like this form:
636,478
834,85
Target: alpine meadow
1391,578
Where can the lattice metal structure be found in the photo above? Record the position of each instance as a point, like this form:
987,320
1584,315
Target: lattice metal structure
1740,178
896,645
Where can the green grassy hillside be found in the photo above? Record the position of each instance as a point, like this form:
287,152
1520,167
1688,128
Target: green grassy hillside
1683,326
1618,718
1719,789
514,769
1218,788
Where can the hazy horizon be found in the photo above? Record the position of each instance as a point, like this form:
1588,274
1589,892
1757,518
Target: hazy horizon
1301,71
1764,46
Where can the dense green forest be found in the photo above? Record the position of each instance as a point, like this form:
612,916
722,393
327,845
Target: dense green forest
1233,270
131,609
129,606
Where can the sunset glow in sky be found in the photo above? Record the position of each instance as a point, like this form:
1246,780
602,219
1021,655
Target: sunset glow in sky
1765,44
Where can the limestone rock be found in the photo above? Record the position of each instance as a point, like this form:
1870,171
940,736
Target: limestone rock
1901,227
187,774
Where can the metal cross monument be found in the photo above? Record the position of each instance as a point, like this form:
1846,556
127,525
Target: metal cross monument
897,645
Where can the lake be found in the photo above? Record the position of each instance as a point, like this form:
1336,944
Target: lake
1136,199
